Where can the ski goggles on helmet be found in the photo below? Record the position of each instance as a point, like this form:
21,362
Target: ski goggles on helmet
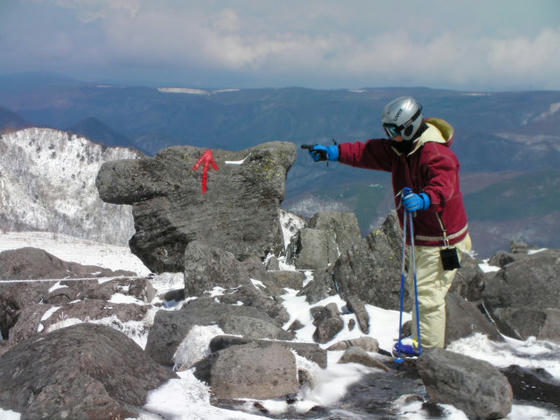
393,130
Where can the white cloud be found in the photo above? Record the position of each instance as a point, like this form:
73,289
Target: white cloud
310,43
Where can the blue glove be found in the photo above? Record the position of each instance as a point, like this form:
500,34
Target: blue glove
413,202
319,152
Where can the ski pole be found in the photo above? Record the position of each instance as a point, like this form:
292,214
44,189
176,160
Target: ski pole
403,276
415,283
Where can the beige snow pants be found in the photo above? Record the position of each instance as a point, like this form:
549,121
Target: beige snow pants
433,283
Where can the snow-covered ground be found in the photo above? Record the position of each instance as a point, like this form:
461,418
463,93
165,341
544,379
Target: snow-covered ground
187,398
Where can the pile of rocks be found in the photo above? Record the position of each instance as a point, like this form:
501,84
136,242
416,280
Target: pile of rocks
222,242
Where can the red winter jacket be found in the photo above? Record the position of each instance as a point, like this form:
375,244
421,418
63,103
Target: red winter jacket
431,167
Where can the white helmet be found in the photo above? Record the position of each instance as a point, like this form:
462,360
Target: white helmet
402,116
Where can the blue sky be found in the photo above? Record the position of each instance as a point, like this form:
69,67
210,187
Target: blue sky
459,44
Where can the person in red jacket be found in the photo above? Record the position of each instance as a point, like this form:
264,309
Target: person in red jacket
425,176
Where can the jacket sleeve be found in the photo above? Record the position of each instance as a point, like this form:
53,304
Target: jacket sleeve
373,154
441,170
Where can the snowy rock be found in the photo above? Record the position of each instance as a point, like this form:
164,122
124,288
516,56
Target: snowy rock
252,327
83,371
48,184
254,296
171,327
328,322
358,307
250,371
319,288
533,384
365,343
359,355
239,213
310,351
472,385
207,267
34,263
36,319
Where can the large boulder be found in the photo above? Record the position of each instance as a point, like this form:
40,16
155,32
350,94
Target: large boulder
250,371
371,268
239,212
83,371
463,318
524,296
472,385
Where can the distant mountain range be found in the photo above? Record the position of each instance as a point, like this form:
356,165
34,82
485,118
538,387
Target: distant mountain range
508,142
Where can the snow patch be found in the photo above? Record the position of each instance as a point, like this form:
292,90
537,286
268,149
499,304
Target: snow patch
195,346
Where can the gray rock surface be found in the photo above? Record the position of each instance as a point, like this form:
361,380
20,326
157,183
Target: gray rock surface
30,322
310,351
469,282
252,328
358,307
362,357
319,245
371,269
23,304
33,263
366,343
345,227
463,319
83,371
530,384
254,297
313,249
524,296
171,327
239,213
472,385
250,371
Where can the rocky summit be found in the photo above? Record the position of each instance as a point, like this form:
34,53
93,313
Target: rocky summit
238,212
255,309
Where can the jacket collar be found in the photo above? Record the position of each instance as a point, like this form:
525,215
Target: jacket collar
438,131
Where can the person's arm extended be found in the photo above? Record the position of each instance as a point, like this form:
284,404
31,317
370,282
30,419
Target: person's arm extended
373,154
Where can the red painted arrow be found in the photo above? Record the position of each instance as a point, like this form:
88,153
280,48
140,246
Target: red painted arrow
206,159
